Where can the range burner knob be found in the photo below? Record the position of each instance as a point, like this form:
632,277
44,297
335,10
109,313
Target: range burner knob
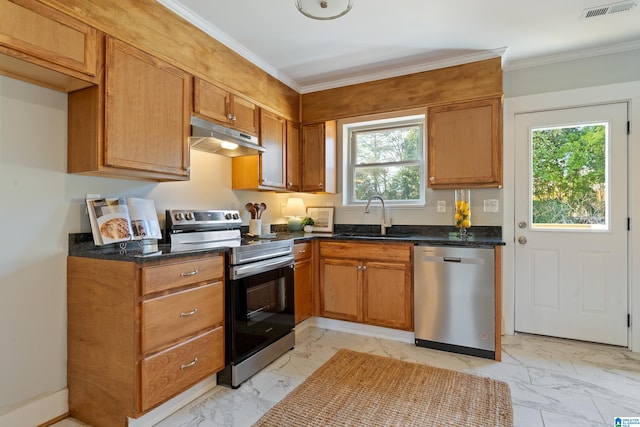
189,216
236,216
179,216
227,216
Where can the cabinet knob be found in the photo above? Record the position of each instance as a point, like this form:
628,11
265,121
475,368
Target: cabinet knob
432,178
229,116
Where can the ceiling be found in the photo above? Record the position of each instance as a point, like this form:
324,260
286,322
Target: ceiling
384,38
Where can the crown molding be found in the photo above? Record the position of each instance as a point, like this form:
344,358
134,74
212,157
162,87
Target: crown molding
228,41
403,71
571,56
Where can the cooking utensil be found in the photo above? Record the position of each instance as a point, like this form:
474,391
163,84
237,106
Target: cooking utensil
251,209
263,207
257,208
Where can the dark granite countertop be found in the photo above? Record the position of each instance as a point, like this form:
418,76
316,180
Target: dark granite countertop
81,244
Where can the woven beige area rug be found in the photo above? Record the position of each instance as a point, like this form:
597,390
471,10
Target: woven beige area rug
359,389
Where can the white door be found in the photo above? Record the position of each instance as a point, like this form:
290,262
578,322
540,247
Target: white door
571,223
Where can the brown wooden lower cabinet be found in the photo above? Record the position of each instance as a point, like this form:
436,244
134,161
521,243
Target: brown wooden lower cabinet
140,333
370,283
303,281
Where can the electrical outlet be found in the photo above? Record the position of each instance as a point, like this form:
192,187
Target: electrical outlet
442,206
491,205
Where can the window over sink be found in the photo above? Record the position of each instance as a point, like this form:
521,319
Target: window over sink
385,157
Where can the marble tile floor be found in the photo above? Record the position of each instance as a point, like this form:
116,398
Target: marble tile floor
554,382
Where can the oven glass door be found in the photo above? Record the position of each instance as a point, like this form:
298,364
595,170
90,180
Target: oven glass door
259,311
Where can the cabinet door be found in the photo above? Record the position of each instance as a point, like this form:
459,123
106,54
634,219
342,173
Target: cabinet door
147,112
313,172
303,294
387,295
318,167
465,144
340,290
210,101
48,36
273,160
244,114
293,156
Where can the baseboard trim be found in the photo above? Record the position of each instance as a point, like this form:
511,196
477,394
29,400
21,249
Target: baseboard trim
38,412
357,329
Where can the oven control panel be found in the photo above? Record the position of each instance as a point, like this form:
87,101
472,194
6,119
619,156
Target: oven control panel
181,219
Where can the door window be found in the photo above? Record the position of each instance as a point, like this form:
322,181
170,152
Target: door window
569,177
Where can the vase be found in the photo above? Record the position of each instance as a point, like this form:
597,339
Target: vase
308,228
462,213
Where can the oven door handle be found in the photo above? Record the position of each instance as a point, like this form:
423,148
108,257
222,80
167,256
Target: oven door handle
240,271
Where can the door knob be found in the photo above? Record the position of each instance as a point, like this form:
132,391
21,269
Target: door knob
522,224
522,240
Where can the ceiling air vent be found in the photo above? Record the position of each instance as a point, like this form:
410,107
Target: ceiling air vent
608,9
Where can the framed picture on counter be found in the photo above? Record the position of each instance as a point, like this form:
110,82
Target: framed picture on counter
322,218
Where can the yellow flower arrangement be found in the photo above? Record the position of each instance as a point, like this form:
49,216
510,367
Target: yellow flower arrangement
462,213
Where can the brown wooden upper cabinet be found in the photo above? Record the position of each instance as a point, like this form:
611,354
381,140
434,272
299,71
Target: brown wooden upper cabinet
41,45
465,144
318,166
136,123
212,102
293,156
265,171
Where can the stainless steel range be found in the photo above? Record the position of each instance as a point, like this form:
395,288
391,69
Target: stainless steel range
259,304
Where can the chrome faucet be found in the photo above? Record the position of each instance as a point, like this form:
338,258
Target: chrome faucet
383,222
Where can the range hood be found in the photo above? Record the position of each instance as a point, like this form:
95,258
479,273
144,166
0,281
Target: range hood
218,139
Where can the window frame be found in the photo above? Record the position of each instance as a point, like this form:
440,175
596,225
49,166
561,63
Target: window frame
350,130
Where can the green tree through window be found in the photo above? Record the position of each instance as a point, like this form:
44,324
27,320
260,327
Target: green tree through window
387,159
569,175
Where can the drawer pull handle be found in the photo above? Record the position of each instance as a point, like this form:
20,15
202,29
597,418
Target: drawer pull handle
302,251
191,273
188,365
189,313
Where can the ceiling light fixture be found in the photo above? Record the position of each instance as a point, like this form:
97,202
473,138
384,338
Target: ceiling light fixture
324,9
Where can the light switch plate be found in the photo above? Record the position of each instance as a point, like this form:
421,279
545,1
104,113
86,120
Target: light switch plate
491,205
442,206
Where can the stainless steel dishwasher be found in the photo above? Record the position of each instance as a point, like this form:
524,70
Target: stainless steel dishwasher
454,299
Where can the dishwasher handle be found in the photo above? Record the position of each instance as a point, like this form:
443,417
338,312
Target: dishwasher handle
458,260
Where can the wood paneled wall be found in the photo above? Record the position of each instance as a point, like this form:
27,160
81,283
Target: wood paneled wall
151,27
482,79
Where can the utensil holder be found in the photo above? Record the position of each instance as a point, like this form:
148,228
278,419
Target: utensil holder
255,226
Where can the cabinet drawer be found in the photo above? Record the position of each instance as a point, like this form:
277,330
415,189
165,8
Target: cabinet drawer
170,372
163,277
170,317
391,252
302,251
